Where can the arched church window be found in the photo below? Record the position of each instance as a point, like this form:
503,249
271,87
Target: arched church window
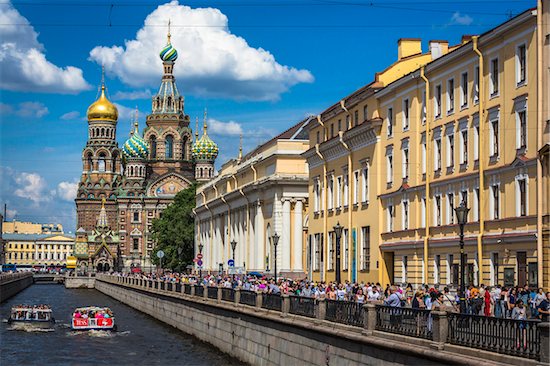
153,146
102,131
131,171
184,149
169,146
169,103
115,162
101,162
89,162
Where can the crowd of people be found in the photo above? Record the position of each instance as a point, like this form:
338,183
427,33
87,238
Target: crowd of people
31,312
93,313
519,303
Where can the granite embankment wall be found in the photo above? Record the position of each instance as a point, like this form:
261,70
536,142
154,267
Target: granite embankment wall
13,283
263,337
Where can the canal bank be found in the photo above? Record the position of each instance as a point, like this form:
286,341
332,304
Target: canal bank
141,339
13,283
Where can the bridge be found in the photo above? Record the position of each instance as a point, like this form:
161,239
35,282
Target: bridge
48,278
260,328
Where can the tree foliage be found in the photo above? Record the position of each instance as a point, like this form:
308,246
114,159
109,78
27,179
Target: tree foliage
175,229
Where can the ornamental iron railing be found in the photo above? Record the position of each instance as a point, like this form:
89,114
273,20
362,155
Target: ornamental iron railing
345,312
228,294
178,287
169,286
407,321
248,297
187,289
508,336
304,306
272,302
212,292
162,286
199,290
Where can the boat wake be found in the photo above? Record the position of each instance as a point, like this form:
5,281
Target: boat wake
30,328
97,333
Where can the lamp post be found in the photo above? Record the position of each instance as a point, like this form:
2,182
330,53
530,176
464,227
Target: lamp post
200,267
338,232
233,246
275,242
461,216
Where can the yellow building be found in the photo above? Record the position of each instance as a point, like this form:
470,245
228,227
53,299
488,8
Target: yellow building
252,198
391,162
37,249
19,227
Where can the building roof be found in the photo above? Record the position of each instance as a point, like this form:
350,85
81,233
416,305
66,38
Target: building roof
33,237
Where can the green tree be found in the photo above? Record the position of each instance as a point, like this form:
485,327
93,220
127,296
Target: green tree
175,229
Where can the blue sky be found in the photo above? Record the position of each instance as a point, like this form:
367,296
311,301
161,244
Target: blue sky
258,66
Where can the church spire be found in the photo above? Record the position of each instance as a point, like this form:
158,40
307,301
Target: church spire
204,126
196,128
240,148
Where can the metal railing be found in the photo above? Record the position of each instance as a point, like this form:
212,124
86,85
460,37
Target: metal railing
169,286
228,294
508,336
272,302
212,292
178,287
199,290
304,306
187,289
248,297
406,321
345,312
162,286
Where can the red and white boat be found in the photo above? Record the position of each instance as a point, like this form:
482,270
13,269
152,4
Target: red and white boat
93,318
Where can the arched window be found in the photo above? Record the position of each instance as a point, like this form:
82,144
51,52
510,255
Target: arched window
153,146
89,162
102,131
131,171
184,149
169,147
101,162
115,162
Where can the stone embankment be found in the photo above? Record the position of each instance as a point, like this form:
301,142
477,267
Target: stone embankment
13,283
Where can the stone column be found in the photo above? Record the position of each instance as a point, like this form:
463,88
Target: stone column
321,309
544,342
205,292
237,296
369,318
285,308
297,245
260,238
219,299
251,244
284,252
440,328
259,298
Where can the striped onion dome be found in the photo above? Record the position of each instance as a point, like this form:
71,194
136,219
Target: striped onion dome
205,149
135,147
168,53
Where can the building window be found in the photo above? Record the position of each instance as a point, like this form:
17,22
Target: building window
356,118
476,84
424,156
464,90
423,110
521,200
101,162
450,208
330,192
437,209
405,214
437,268
450,96
135,216
356,187
365,248
317,196
494,269
423,212
521,65
365,113
345,243
339,125
389,167
437,102
450,150
318,137
464,147
437,154
318,245
476,208
493,138
464,198
390,214
493,78
169,147
476,142
405,167
495,202
365,183
348,121
331,130
338,192
449,268
521,129
404,268
405,115
331,251
346,188
389,122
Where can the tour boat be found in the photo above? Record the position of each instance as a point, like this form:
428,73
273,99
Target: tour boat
93,318
37,316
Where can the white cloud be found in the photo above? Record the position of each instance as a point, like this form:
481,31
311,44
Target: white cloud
127,114
461,19
32,186
23,64
132,95
212,61
67,190
230,128
25,109
10,214
71,115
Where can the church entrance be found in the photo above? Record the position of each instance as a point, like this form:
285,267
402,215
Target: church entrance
103,267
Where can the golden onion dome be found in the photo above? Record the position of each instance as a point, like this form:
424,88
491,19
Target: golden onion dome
102,109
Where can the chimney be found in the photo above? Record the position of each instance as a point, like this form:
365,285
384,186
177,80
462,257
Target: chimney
438,48
466,38
408,46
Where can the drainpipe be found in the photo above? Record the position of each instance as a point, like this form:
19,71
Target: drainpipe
428,172
325,235
341,135
540,134
211,231
481,157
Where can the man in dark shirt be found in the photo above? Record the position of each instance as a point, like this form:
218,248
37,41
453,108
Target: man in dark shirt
544,308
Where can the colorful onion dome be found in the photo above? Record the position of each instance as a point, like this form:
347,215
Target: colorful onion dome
102,109
205,149
168,53
135,147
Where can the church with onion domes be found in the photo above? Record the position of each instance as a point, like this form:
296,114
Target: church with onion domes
122,190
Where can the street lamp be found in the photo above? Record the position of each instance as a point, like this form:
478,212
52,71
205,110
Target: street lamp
275,242
200,267
233,246
338,232
461,216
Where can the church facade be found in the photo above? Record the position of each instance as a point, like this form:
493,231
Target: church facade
122,189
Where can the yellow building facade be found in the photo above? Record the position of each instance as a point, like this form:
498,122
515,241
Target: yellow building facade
251,199
22,227
391,162
37,249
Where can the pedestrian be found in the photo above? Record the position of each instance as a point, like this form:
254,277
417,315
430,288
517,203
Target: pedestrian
520,313
544,308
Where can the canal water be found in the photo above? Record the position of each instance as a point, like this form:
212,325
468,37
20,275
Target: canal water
140,339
